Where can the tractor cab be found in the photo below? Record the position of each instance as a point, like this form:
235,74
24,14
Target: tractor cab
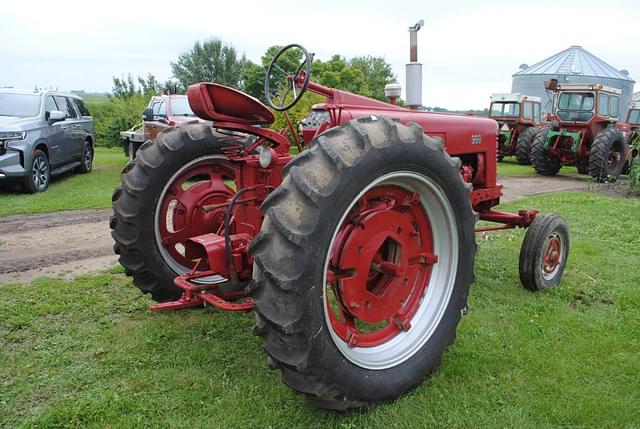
582,133
633,116
515,108
633,129
582,103
517,116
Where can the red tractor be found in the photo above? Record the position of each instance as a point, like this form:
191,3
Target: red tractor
357,254
518,116
631,128
582,133
633,122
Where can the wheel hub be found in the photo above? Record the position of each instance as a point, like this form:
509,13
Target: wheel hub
380,266
182,213
552,255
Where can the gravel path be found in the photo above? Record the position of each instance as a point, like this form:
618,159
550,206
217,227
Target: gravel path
68,243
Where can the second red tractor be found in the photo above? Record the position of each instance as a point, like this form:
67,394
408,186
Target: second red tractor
582,133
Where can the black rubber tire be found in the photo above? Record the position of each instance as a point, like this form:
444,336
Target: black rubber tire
135,202
607,140
87,159
582,165
501,150
300,218
540,159
523,146
27,184
531,252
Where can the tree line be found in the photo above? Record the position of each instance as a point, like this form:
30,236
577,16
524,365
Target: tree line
213,60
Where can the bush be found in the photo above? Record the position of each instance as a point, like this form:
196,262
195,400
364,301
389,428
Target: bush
118,114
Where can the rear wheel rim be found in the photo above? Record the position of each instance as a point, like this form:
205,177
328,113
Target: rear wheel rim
613,159
358,332
552,255
179,214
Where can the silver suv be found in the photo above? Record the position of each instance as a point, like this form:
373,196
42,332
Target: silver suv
43,133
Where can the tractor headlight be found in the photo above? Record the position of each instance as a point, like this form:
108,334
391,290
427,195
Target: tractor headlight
265,156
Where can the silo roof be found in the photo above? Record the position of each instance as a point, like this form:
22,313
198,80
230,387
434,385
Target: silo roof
574,61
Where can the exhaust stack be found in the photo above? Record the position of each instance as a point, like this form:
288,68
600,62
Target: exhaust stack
414,69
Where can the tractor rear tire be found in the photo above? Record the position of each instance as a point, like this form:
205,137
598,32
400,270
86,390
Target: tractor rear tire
136,202
324,188
544,252
542,162
607,155
523,146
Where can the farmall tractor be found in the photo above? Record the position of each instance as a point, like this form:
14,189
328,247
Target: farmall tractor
518,116
356,254
582,133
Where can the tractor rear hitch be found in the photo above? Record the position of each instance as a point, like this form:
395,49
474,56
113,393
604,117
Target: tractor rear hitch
199,295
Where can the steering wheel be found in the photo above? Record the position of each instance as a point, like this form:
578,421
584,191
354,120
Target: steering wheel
285,77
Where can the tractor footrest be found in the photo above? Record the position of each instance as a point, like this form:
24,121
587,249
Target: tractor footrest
199,295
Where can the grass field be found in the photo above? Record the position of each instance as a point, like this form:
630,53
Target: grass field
74,191
70,191
87,353
509,167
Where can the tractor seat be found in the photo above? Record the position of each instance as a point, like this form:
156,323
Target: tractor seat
214,102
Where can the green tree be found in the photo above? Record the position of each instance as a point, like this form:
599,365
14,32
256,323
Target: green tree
124,109
361,75
209,61
253,79
376,72
126,88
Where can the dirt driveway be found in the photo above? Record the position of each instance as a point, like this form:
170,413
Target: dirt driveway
69,243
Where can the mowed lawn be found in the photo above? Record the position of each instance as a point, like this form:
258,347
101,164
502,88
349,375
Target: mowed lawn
91,191
70,191
88,354
510,167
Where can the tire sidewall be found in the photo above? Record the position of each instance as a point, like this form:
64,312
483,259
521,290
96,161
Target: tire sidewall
175,160
393,381
556,224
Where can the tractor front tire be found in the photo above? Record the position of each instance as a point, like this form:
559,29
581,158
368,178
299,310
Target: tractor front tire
542,162
135,224
544,252
367,195
523,146
607,155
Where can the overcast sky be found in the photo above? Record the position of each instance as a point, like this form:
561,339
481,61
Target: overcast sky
469,49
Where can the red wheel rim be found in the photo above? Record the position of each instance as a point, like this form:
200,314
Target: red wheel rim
552,256
613,159
379,267
180,210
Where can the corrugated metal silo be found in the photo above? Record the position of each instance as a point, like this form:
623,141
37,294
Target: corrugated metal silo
572,66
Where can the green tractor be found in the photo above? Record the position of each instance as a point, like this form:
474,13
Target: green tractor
584,132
